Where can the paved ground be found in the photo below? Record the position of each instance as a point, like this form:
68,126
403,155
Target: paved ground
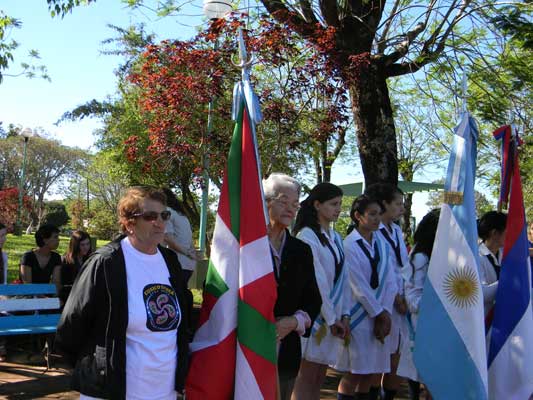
25,376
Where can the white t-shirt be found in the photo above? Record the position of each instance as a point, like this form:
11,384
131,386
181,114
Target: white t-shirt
151,336
153,319
179,228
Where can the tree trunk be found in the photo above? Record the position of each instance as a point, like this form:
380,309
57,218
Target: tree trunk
375,125
407,174
408,204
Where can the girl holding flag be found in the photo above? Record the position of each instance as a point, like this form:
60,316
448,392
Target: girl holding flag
312,226
372,280
391,199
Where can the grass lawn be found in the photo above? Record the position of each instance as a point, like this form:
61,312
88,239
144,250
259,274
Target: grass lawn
15,246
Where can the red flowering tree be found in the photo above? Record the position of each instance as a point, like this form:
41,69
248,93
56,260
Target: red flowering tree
9,204
306,113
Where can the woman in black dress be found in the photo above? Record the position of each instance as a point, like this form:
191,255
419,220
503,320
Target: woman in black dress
42,264
78,251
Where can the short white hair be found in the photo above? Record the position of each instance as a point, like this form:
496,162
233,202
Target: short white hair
278,181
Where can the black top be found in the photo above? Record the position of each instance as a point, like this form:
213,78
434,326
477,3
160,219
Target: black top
68,276
69,271
92,328
297,290
38,274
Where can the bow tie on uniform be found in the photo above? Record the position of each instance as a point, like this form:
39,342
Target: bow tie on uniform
374,261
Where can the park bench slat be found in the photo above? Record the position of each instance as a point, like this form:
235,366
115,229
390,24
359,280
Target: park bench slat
28,324
43,303
28,289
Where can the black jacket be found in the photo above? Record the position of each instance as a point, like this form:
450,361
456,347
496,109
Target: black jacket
297,290
92,328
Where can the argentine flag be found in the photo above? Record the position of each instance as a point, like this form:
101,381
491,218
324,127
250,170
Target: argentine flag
450,352
511,334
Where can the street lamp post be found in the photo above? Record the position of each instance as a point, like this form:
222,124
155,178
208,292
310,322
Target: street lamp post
213,9
26,133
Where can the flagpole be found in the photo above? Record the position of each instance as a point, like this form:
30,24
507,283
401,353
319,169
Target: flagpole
464,90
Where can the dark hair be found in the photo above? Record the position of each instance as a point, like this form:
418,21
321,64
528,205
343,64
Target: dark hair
45,232
173,202
74,246
360,204
307,215
383,192
426,230
489,221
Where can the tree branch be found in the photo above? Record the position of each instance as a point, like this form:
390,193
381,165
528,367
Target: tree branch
426,55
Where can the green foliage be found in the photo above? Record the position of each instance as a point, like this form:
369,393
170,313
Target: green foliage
526,171
103,223
8,47
55,213
48,162
63,7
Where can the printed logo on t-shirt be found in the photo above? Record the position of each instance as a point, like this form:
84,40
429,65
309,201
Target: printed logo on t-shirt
162,308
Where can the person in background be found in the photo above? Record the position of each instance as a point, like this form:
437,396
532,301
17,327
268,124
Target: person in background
78,251
178,237
299,301
122,324
391,198
42,264
372,291
491,230
3,281
415,277
312,226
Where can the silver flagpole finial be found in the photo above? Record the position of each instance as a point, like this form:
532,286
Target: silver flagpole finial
244,62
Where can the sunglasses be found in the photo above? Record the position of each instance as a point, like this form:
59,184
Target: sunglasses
152,215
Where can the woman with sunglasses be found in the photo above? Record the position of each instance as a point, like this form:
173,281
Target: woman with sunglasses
122,324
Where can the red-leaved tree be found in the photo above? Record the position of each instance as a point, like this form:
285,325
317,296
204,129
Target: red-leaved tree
9,204
306,112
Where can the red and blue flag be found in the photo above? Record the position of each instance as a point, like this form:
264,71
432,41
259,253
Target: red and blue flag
510,358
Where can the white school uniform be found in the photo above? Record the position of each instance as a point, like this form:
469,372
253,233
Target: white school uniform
414,286
399,329
488,276
365,354
315,349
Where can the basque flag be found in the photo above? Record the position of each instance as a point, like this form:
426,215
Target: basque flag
510,358
234,349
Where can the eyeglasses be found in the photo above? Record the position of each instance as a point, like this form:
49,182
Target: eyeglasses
286,204
152,215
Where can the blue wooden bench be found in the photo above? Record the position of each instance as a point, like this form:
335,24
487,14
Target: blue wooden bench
30,300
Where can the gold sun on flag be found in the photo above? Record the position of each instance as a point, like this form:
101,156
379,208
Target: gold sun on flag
461,287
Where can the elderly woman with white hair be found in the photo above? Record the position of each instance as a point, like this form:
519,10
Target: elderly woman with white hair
299,299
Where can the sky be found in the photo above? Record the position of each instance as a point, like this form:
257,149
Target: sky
71,48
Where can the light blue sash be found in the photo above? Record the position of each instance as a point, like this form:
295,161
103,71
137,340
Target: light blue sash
335,294
358,313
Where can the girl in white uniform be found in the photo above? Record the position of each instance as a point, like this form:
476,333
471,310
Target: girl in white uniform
415,277
491,231
317,212
391,199
371,294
